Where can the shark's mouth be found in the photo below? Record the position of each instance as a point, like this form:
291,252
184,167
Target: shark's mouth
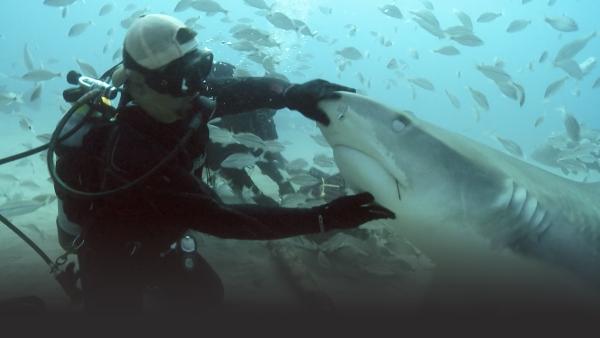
365,173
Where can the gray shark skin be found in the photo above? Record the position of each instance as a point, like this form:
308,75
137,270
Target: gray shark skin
444,186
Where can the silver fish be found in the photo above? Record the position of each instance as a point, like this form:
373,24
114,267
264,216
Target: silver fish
562,23
64,12
304,180
488,17
480,99
78,28
596,83
538,121
392,11
36,93
107,8
350,53
182,5
22,207
260,4
453,99
38,75
220,135
494,73
422,82
543,57
7,98
427,17
465,19
570,67
249,140
281,21
571,49
572,127
510,146
274,146
58,3
87,69
324,161
434,30
208,6
326,10
447,50
518,25
555,87
470,40
297,164
239,161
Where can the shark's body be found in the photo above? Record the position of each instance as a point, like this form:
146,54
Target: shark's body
444,187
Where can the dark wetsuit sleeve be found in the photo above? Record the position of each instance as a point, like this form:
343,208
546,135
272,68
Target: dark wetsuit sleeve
202,210
245,94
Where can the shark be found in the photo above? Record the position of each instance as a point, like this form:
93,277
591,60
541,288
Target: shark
450,192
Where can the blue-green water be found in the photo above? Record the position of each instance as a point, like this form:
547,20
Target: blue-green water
45,31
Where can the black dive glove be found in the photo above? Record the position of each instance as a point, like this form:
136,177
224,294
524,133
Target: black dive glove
305,98
350,211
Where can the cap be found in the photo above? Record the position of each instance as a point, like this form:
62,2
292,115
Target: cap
155,40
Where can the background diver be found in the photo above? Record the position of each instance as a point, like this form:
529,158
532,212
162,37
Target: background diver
135,239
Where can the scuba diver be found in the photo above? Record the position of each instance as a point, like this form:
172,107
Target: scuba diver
136,239
260,123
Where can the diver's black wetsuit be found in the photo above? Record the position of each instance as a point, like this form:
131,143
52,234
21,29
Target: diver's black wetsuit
126,233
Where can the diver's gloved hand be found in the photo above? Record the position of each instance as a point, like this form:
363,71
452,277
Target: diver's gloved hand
305,98
351,211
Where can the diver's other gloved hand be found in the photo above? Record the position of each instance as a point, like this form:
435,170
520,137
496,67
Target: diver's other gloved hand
305,98
351,211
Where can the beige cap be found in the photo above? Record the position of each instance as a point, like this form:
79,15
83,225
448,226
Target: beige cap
153,40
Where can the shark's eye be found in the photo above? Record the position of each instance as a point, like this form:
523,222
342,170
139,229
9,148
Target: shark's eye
400,123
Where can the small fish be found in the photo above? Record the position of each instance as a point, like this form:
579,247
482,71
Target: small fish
87,69
249,140
208,6
7,98
297,165
44,138
36,93
25,124
494,73
480,99
117,54
8,178
596,83
488,17
392,11
510,146
422,82
274,146
39,75
29,184
260,4
182,5
447,50
304,180
572,127
22,207
58,3
518,25
107,8
350,53
64,12
538,121
220,135
543,57
293,200
281,21
570,67
78,28
453,99
392,64
239,161
465,19
470,40
571,49
555,87
324,161
562,23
